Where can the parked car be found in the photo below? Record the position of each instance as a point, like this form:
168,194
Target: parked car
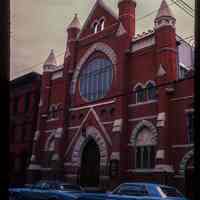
16,194
138,191
46,190
57,185
147,190
125,191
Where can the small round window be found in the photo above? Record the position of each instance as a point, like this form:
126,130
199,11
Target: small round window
96,78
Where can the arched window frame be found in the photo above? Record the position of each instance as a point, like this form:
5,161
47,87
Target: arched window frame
149,161
138,90
150,87
107,75
101,24
94,26
134,137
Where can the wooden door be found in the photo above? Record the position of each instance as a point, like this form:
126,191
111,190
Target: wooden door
90,164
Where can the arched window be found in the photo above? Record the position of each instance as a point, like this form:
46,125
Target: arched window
96,78
150,91
140,94
102,24
95,27
145,149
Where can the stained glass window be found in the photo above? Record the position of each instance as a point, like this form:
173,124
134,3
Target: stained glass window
96,78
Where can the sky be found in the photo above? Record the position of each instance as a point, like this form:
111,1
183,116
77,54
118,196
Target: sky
37,26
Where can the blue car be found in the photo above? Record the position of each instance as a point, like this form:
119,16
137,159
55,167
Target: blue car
125,191
147,190
46,190
138,191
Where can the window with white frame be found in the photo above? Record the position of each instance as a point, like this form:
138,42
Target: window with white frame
95,27
140,94
145,149
190,127
150,91
102,24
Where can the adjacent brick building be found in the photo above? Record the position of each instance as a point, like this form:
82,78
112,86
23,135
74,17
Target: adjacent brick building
120,108
24,99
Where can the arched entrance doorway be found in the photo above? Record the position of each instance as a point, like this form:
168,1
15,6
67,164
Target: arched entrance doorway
90,164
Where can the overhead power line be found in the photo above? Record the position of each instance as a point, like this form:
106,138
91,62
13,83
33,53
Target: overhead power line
151,13
183,7
138,19
187,5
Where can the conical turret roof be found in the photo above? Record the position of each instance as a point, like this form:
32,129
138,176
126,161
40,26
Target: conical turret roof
164,10
51,60
75,23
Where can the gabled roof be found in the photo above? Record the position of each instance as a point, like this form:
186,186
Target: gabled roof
75,23
51,60
104,6
164,10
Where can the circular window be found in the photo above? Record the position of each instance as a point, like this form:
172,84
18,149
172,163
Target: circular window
96,78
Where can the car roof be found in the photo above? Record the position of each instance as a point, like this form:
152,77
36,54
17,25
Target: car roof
146,183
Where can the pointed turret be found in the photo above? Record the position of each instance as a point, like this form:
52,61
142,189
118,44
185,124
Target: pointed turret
74,28
164,16
164,10
75,23
50,62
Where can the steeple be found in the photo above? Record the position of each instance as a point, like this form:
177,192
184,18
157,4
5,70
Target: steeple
51,60
50,64
75,23
164,10
164,16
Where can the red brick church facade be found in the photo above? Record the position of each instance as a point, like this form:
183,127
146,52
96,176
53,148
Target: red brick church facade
116,110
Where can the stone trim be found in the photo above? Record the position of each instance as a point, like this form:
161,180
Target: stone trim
142,103
164,168
141,44
182,98
92,105
99,46
91,132
182,145
55,134
115,156
121,30
34,167
78,131
184,161
142,118
139,126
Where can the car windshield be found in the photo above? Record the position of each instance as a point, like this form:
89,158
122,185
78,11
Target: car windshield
171,192
70,187
132,190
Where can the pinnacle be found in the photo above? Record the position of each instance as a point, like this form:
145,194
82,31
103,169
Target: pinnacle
164,10
51,60
75,22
